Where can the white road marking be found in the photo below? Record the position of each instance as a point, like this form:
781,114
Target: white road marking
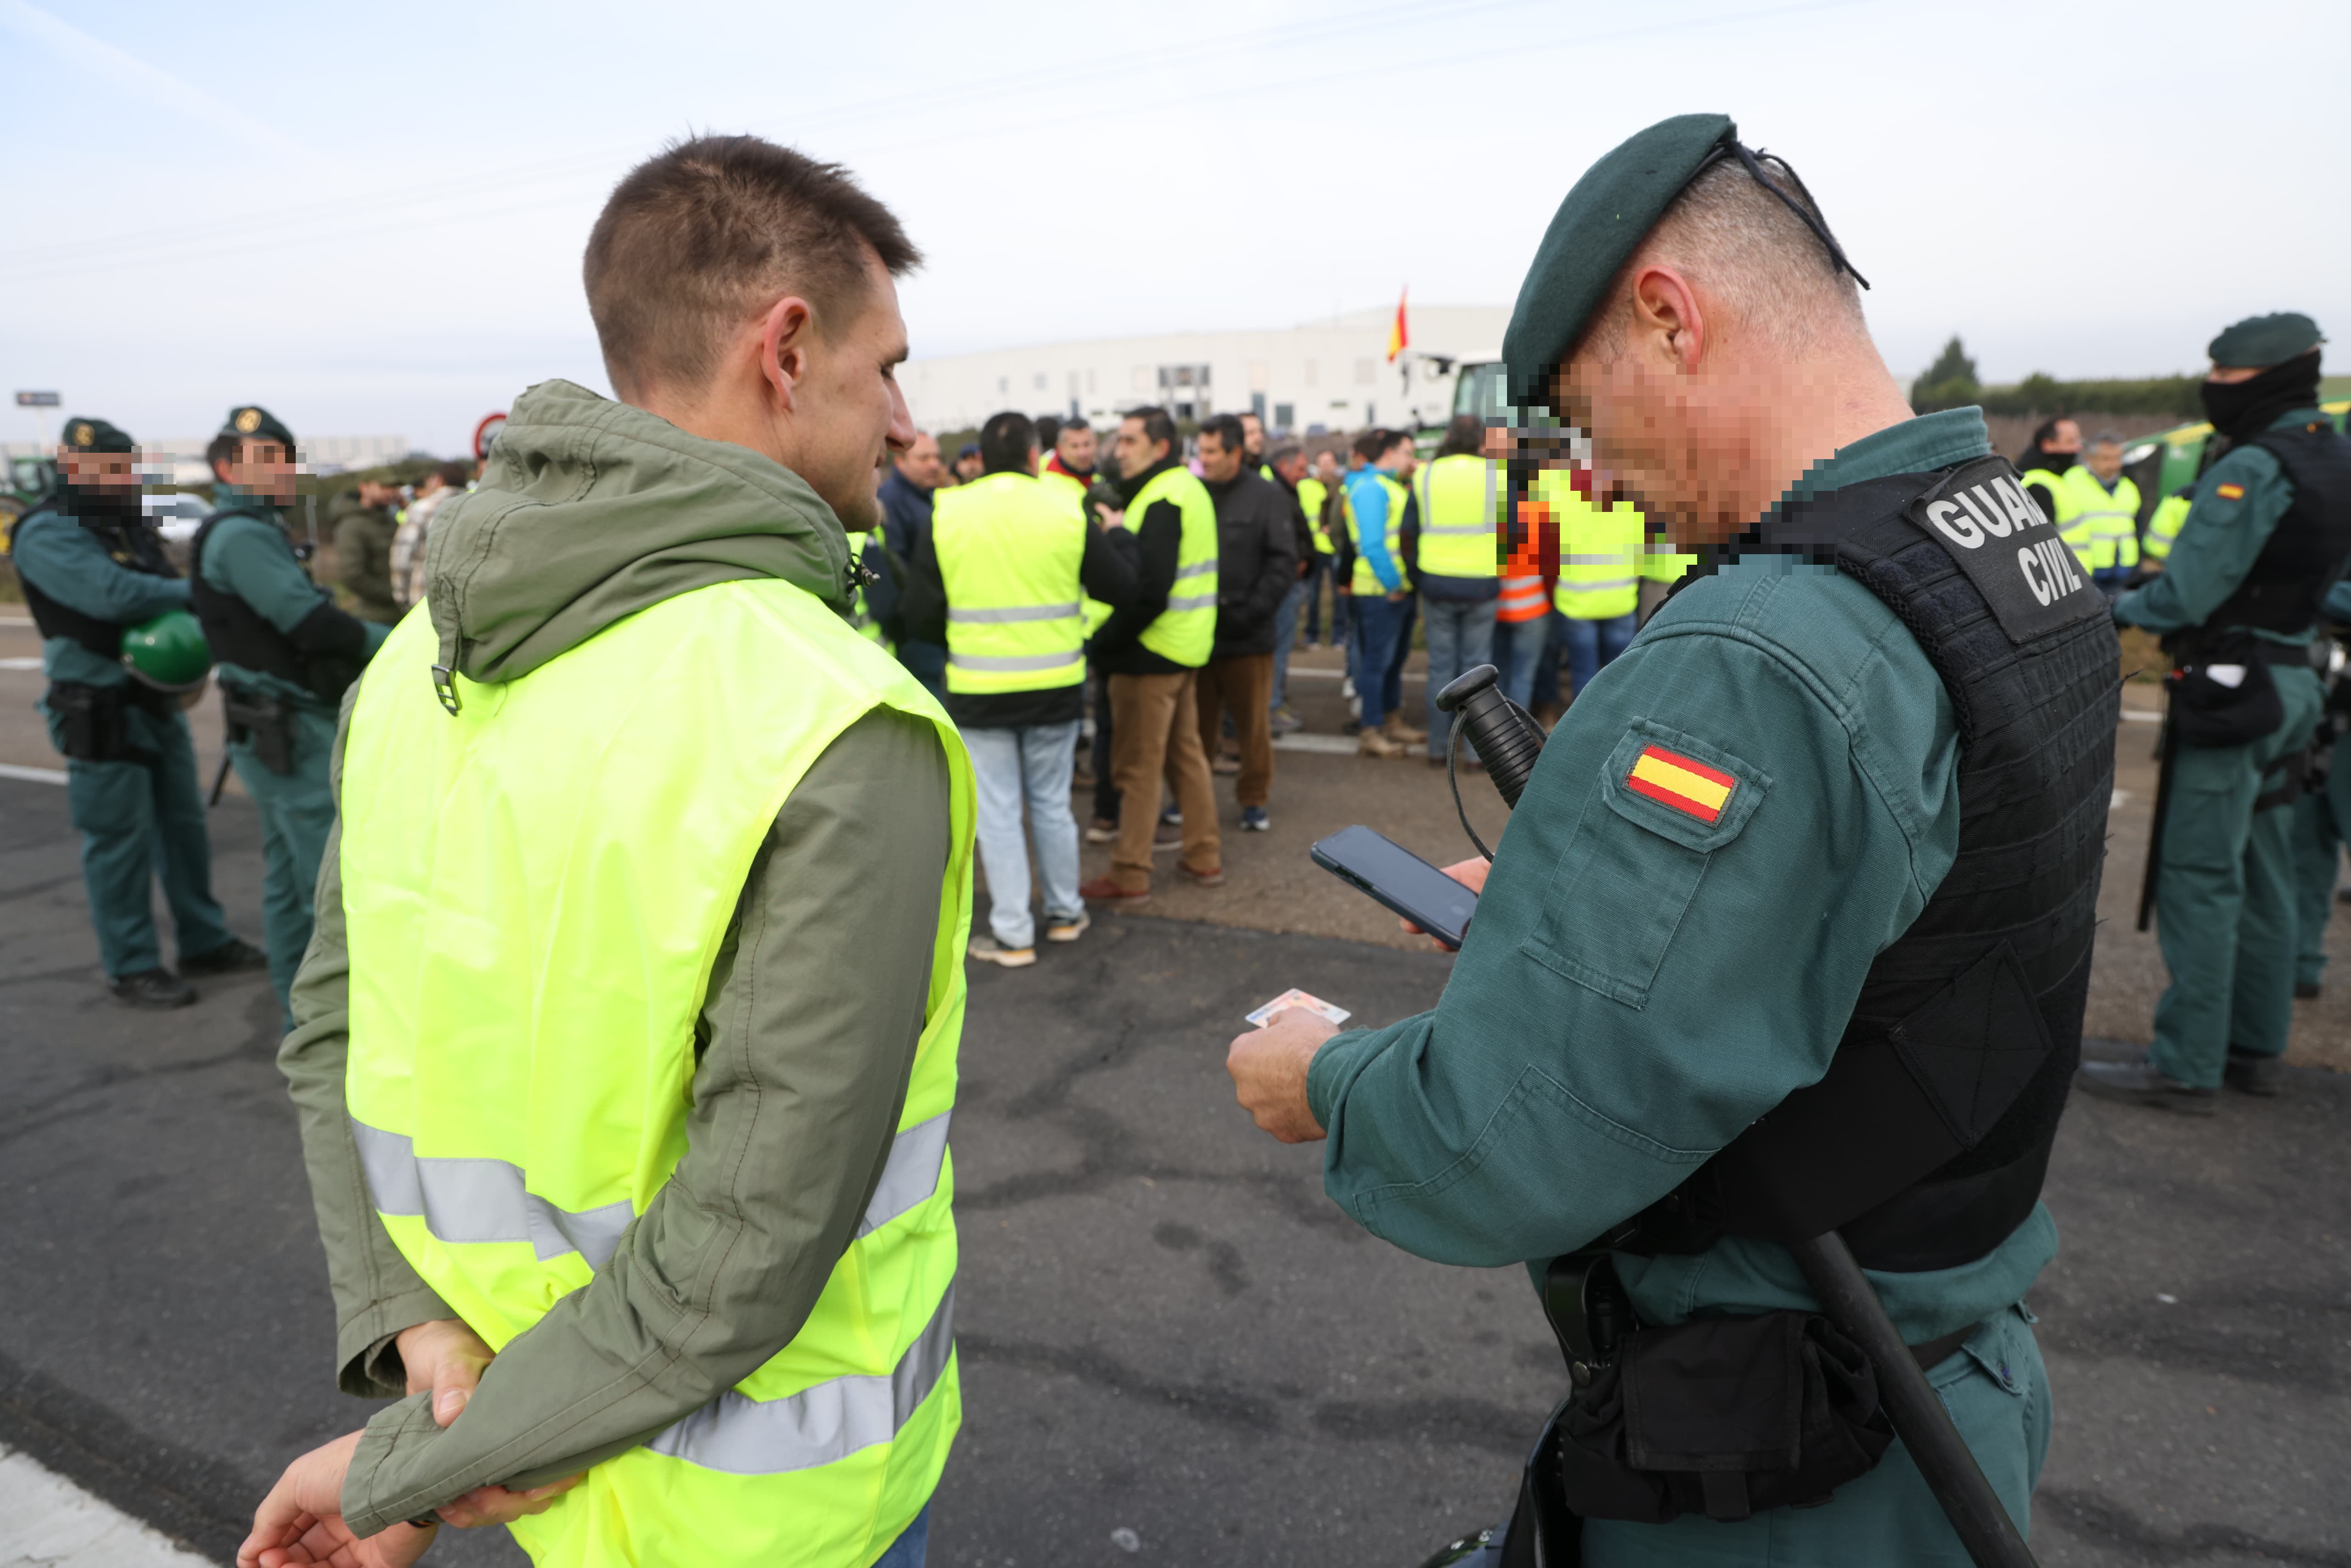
2141,715
1298,670
48,1521
32,776
2120,797
16,620
1330,744
32,664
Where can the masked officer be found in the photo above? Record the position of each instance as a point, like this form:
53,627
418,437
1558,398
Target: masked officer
1765,859
2322,815
2238,605
285,652
121,649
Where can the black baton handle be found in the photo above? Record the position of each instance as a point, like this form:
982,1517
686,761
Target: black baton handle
1918,1416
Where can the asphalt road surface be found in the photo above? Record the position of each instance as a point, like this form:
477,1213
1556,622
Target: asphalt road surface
1172,1346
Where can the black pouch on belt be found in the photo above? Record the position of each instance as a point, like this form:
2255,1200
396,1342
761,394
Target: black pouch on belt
89,721
262,723
2224,694
1723,1417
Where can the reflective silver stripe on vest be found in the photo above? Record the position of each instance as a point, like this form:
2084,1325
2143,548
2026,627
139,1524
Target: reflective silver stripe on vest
1617,559
1198,568
1193,601
1024,613
820,1423
1016,661
1457,528
911,1174
1600,587
468,1200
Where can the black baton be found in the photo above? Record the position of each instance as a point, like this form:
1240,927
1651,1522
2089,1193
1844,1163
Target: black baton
219,779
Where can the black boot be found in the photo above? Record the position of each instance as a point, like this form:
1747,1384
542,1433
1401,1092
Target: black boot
234,956
2141,1082
2263,1075
155,989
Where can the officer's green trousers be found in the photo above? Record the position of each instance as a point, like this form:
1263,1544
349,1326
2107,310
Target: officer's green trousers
2319,823
141,819
298,813
2225,899
1997,1393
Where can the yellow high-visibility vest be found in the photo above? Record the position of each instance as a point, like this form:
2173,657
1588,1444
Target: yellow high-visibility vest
1600,551
2102,529
1311,495
1364,580
536,888
1096,612
1185,632
1010,549
2164,523
1458,500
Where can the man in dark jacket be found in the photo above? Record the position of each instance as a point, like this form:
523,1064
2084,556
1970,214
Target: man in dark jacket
1257,561
363,524
905,498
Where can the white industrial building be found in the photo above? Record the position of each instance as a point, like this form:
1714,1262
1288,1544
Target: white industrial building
1322,376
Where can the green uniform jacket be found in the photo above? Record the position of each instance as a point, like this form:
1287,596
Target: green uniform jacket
68,562
1613,1022
249,555
814,1005
2218,540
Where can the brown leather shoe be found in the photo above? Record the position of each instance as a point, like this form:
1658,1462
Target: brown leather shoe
1212,877
1372,743
1103,890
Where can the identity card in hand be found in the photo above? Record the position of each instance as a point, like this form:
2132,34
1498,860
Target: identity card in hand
1294,997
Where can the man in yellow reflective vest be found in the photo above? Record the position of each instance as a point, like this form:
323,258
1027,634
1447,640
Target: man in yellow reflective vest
2054,451
1003,580
1599,594
2103,531
1455,559
1152,649
2163,525
1378,506
625,1048
1315,492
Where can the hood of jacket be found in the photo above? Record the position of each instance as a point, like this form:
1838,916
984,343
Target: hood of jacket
591,510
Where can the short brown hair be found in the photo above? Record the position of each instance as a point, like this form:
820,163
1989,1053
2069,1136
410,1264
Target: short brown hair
691,237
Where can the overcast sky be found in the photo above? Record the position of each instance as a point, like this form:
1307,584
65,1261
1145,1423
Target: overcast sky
371,218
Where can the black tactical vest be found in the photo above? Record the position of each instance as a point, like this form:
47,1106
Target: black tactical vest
2306,552
323,654
131,543
1927,1140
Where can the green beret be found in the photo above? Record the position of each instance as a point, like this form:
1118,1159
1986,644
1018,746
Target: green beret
1594,233
250,419
2259,341
95,436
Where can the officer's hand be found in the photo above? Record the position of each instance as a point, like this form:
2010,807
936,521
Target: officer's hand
497,1505
1471,874
447,1358
301,1519
1269,1068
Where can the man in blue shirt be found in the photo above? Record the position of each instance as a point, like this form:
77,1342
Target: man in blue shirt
1755,889
1381,509
91,566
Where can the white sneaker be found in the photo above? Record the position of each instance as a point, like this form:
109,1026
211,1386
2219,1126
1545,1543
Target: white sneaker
988,950
1067,927
1347,686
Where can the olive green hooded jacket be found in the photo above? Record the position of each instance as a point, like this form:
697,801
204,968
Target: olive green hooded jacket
591,510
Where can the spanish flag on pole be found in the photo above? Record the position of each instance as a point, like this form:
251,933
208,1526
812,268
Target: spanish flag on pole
1398,338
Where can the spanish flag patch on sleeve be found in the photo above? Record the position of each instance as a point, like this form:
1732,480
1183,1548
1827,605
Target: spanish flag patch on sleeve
2230,492
1688,787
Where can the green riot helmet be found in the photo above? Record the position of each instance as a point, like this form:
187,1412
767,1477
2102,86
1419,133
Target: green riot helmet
168,652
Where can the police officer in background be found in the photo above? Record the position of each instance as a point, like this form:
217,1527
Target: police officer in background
2322,815
1776,829
285,653
92,570
1002,579
2238,604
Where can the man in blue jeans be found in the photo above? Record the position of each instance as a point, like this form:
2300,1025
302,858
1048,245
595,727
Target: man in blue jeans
1381,507
1451,546
999,578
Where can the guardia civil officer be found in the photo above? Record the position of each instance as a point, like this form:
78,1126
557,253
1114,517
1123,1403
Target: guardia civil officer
2266,535
121,653
1764,865
284,652
2322,815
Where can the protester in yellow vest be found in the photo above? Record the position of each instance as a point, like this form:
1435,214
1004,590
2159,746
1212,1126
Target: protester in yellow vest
1455,559
1599,595
1002,579
625,1048
1318,495
1382,607
2163,525
1153,651
2104,529
2054,451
